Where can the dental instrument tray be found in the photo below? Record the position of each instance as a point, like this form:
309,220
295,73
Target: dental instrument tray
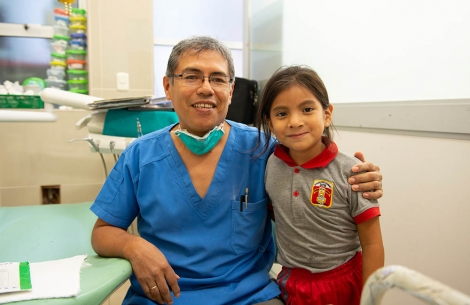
135,103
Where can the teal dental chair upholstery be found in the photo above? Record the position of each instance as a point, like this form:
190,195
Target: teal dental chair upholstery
56,231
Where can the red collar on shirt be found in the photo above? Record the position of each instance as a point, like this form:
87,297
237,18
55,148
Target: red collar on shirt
322,160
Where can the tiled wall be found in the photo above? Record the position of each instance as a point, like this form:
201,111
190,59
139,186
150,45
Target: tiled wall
37,154
120,39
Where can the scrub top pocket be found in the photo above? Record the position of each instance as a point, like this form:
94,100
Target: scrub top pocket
247,233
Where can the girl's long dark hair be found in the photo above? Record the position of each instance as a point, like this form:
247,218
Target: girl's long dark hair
281,80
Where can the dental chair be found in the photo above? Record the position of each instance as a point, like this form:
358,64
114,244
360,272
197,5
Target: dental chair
56,231
412,282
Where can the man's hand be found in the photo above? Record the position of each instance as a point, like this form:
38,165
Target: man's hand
149,265
154,273
369,181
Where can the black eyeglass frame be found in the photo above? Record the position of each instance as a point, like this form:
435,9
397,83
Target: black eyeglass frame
230,80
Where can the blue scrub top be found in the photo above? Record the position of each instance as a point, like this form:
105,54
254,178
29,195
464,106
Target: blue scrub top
222,255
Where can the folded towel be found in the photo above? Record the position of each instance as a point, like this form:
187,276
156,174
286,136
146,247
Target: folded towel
51,279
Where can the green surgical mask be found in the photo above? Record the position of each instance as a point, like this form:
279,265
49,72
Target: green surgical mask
201,145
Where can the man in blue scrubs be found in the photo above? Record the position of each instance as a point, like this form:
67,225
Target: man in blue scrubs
197,190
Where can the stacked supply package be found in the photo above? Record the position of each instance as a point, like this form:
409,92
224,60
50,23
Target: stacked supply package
56,73
77,53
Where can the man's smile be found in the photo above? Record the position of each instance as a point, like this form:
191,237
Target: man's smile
204,105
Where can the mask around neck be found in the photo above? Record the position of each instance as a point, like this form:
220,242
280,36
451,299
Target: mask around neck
201,145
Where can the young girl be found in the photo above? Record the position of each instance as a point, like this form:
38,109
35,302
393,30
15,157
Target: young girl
328,236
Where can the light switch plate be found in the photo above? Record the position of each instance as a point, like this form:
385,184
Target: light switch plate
122,81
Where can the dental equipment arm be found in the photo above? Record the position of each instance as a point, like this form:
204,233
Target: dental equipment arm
418,285
81,101
95,145
66,98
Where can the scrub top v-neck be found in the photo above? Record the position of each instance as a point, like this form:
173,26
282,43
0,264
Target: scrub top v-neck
216,243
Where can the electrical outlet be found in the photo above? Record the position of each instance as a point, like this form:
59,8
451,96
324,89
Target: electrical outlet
50,194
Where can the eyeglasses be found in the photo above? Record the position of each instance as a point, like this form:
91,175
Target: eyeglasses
192,79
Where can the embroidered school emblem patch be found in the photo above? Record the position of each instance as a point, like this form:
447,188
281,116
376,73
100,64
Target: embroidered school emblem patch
322,193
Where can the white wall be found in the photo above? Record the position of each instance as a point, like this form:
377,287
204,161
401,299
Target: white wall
265,38
382,50
389,51
179,19
367,50
425,207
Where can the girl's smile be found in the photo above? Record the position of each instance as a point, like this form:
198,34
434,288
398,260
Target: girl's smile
298,120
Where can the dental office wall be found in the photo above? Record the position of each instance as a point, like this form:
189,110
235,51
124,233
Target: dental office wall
424,208
407,63
120,39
